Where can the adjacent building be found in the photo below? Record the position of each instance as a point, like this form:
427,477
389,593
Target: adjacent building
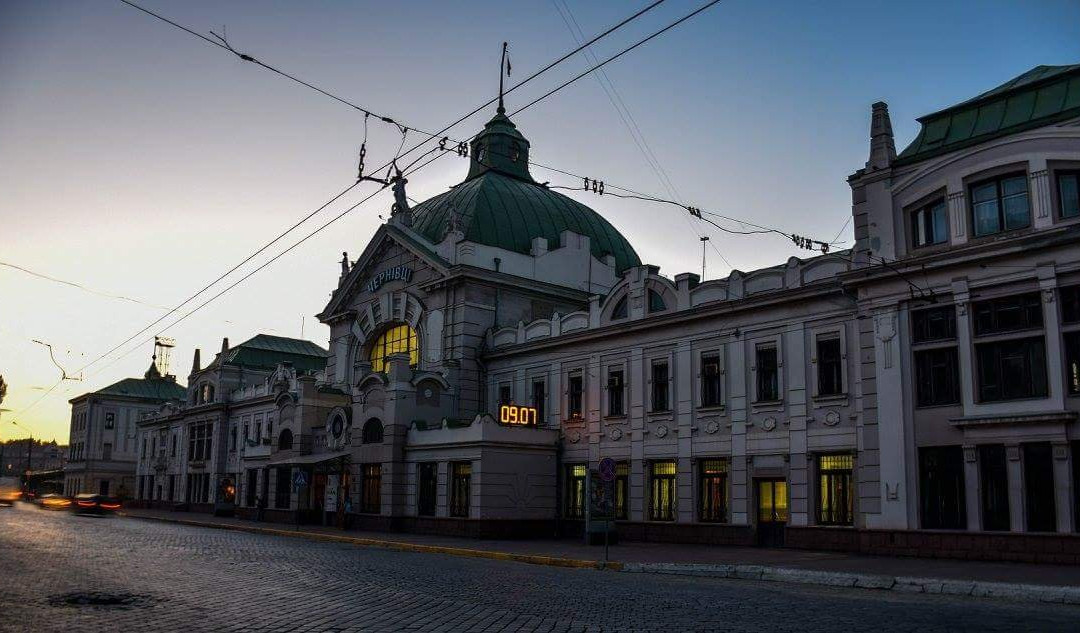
193,449
103,445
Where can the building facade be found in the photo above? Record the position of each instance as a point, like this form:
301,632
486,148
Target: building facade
193,449
492,344
103,444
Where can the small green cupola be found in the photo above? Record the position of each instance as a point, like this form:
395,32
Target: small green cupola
501,148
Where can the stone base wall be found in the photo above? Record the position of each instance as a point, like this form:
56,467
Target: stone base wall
988,546
687,533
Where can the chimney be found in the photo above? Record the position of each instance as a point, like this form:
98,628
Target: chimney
196,364
882,147
224,345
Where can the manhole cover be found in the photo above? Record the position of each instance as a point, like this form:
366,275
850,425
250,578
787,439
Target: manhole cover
102,600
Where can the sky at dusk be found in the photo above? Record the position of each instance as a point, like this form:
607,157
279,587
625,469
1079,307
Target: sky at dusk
141,162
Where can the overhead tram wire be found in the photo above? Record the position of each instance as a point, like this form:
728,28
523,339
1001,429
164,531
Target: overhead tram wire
367,112
223,44
628,120
263,265
478,109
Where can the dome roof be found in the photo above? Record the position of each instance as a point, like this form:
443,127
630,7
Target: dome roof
500,204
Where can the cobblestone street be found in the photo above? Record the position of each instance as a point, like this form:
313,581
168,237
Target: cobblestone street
180,578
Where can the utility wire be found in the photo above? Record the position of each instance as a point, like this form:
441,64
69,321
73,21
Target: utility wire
73,284
627,117
350,187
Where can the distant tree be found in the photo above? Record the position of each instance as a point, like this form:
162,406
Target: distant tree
3,389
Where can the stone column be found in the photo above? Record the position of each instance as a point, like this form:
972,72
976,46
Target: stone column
973,488
1063,487
636,378
684,384
796,397
958,214
1042,205
1015,469
740,486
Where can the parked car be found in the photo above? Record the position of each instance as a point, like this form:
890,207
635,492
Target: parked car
54,501
95,504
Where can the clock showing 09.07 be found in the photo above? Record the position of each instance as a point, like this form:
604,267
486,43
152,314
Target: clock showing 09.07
514,414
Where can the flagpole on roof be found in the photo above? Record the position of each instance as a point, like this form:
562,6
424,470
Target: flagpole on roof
504,63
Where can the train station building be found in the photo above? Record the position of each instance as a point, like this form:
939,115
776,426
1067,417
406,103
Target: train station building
917,393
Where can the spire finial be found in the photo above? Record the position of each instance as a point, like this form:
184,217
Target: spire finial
504,63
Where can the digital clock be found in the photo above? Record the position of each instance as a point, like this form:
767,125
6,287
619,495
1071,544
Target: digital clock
514,414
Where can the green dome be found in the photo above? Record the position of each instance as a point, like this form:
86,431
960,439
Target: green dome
500,205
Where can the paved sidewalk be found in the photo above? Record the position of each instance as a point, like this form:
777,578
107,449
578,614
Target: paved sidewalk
1025,581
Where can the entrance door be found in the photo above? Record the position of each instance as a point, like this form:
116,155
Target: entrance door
772,504
104,488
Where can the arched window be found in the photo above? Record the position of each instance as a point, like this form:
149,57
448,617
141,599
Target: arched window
284,440
372,432
656,301
620,310
396,340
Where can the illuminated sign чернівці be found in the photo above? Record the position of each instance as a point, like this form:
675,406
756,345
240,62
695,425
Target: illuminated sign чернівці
404,273
514,414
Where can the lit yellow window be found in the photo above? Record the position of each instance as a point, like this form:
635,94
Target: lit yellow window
396,340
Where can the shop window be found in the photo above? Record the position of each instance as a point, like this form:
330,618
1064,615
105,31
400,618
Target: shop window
615,393
830,366
575,394
575,491
662,491
1008,314
1072,362
929,225
711,381
427,489
941,488
1069,194
400,339
622,491
1011,369
251,489
772,501
712,490
539,399
371,488
1076,484
1039,487
1000,205
934,324
283,487
768,373
937,377
460,488
835,502
994,480
660,386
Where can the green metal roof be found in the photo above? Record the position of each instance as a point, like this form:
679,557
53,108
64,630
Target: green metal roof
1042,95
265,352
158,389
500,204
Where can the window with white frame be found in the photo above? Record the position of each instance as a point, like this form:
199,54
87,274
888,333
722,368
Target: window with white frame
767,370
929,224
711,379
616,391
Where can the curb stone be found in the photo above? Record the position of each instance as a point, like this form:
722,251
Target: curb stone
404,546
904,584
